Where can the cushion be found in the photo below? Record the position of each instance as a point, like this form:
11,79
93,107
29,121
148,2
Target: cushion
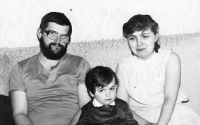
4,74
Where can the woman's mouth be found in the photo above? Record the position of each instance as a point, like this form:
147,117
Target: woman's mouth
140,49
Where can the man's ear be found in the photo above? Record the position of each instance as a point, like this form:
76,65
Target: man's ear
69,40
39,33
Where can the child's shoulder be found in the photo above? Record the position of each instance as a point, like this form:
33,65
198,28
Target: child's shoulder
88,105
121,104
120,101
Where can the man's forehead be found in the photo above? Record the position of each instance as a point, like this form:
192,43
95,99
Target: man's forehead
58,28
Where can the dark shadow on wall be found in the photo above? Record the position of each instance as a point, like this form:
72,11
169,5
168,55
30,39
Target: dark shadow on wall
6,111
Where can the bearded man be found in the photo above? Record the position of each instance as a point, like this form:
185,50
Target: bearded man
49,88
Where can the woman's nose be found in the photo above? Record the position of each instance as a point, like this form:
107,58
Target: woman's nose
139,42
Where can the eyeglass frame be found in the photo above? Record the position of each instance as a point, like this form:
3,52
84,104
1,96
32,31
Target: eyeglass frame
62,40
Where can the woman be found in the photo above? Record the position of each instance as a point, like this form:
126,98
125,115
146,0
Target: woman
150,77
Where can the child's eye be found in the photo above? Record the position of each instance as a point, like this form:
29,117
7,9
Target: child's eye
100,90
112,89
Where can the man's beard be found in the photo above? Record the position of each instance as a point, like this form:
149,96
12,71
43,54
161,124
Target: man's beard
53,51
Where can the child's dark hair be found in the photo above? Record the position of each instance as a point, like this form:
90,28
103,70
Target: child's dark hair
99,76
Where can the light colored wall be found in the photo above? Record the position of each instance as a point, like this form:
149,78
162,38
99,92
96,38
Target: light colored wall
93,19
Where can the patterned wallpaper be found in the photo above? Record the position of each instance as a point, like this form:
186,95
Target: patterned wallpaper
93,19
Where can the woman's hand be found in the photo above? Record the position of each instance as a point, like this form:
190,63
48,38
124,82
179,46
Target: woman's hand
145,122
148,123
141,121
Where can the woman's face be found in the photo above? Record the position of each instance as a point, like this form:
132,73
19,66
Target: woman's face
142,43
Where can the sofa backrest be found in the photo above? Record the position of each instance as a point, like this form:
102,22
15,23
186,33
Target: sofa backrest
110,52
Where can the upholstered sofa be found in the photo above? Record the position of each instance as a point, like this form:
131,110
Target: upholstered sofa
110,52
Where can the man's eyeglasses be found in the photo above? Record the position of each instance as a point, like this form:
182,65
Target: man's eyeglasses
53,35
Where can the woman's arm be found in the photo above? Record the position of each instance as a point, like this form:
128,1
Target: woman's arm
171,88
121,91
122,94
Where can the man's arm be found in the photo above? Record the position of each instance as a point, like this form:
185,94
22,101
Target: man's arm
83,96
20,108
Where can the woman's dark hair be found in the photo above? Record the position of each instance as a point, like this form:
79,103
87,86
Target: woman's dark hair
99,76
55,17
141,23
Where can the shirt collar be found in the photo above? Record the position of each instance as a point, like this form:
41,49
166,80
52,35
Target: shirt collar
98,104
42,70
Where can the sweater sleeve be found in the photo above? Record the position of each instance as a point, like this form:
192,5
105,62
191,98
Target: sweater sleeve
129,116
84,119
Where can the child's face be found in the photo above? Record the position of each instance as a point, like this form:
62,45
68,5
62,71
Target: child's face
106,95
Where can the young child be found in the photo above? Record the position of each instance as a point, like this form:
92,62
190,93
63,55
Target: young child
104,108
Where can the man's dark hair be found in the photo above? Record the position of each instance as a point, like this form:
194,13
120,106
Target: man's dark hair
141,23
99,76
55,17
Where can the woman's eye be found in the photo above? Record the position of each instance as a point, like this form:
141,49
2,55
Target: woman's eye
131,38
